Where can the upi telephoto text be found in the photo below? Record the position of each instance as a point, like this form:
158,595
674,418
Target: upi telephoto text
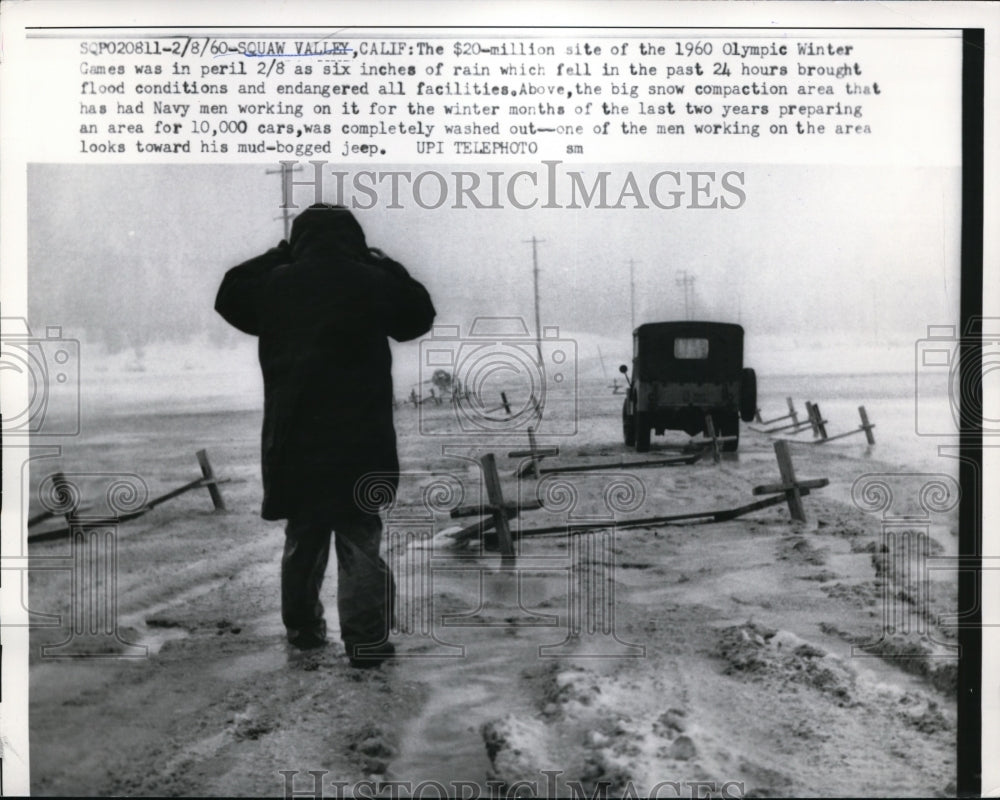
475,96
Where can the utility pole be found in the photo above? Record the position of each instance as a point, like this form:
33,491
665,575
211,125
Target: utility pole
686,281
286,213
631,279
538,325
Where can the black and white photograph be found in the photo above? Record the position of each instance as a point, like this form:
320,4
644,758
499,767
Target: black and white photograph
597,407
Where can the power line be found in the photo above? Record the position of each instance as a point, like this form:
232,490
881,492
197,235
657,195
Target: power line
286,183
631,279
687,282
538,325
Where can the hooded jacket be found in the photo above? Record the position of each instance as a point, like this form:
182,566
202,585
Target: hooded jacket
322,306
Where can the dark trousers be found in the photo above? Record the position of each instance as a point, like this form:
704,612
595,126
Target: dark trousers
366,590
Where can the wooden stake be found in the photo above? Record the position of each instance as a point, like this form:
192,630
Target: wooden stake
787,470
504,405
495,494
811,415
866,425
710,432
533,446
818,421
211,483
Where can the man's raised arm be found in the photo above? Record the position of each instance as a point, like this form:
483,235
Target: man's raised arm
406,307
238,297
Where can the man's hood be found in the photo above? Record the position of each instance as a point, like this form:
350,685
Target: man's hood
328,227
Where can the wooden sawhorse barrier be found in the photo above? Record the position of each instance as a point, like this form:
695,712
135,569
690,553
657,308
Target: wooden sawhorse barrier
815,420
866,427
504,405
534,453
792,415
790,490
794,426
497,511
418,401
208,480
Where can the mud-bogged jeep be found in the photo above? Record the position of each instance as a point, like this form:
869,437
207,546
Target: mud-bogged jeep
683,371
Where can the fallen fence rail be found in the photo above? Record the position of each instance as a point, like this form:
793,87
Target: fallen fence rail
208,480
819,428
641,464
790,490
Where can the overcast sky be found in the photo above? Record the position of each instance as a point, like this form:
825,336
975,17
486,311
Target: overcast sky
866,253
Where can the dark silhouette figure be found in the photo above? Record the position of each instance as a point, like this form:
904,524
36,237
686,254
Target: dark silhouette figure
322,306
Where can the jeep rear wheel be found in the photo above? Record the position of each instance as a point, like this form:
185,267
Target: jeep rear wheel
643,432
748,394
731,427
628,425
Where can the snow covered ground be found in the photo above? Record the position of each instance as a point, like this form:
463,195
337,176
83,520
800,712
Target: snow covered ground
750,655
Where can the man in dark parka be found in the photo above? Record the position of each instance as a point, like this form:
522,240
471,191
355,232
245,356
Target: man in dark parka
322,306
